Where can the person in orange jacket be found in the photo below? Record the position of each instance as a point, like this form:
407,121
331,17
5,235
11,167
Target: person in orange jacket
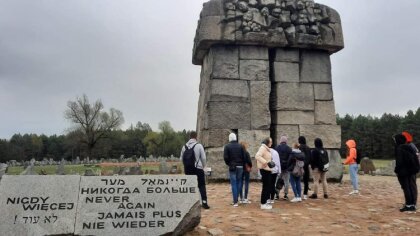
353,167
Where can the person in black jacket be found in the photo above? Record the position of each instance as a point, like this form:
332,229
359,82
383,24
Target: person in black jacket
317,168
284,152
234,157
307,151
406,168
248,165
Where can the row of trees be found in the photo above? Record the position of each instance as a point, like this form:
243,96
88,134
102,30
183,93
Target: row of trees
374,134
138,140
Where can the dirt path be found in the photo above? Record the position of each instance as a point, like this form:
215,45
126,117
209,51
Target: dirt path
374,212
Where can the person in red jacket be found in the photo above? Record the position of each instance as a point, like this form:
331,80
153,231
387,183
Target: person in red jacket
353,167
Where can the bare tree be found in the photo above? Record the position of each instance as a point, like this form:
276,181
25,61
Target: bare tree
92,121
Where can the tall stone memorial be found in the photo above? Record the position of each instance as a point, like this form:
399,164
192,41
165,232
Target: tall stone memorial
266,71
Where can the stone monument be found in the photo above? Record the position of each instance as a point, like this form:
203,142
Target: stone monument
266,71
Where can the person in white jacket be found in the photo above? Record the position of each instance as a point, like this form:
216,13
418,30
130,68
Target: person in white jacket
275,173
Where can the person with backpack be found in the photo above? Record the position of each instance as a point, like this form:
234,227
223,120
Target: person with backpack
351,160
247,171
406,167
264,161
319,165
307,151
234,156
275,174
409,139
295,167
284,152
194,159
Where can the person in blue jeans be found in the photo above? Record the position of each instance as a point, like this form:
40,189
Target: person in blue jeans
234,157
351,160
247,170
295,180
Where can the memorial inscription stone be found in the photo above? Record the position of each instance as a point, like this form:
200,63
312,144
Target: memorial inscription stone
99,205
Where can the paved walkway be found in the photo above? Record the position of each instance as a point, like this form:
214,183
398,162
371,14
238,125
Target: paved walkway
374,212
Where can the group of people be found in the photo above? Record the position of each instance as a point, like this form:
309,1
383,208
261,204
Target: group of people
283,166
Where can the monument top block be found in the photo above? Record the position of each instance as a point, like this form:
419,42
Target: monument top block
270,23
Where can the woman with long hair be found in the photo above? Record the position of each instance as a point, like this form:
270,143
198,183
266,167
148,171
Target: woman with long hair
247,170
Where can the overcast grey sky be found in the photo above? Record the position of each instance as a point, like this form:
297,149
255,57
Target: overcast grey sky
135,56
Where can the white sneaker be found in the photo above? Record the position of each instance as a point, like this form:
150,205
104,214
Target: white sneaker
235,205
294,200
299,199
246,201
305,197
241,201
354,192
266,207
269,201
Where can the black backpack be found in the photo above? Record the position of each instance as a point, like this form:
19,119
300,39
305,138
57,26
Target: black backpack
324,159
359,156
188,158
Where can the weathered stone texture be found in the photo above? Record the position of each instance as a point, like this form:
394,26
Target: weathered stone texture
287,55
335,172
286,72
216,163
253,138
294,96
323,92
294,117
330,134
316,67
228,115
254,70
253,53
214,137
325,113
212,8
260,110
225,62
291,131
229,90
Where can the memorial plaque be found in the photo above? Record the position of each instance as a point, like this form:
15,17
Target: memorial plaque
38,205
137,205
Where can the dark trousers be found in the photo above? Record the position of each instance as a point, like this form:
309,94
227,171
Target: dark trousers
201,179
306,180
273,186
266,188
409,187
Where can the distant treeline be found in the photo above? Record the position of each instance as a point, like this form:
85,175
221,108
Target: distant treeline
138,140
374,135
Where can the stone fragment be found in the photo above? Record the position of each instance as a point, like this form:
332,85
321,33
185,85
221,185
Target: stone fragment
315,67
229,90
367,166
225,62
293,96
330,134
260,99
287,55
228,115
209,28
335,172
254,70
294,117
333,15
307,39
151,192
253,53
214,137
215,161
323,92
286,72
215,232
267,3
325,113
18,193
290,34
284,20
291,131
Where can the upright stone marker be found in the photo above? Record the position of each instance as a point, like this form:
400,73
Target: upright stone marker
146,205
38,205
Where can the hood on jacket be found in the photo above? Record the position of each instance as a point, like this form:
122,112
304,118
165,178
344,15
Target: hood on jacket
191,143
283,139
318,143
351,143
400,139
302,140
408,136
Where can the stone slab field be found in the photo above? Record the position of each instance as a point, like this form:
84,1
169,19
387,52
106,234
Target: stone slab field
98,205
